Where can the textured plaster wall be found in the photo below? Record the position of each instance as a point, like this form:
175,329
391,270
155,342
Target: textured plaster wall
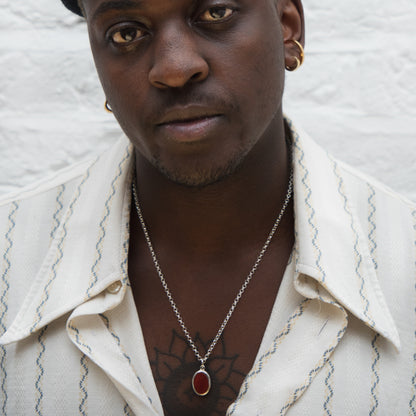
356,93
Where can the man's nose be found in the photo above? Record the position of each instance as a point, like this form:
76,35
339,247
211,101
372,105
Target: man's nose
176,60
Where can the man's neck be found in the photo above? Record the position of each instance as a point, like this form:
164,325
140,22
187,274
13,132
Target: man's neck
240,208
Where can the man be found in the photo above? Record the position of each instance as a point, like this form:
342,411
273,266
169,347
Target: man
176,274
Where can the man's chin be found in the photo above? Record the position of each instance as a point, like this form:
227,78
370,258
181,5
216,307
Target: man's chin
199,177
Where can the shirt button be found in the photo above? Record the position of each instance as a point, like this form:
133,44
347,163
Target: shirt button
114,287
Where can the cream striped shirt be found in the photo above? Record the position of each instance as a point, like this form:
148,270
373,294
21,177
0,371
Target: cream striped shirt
340,339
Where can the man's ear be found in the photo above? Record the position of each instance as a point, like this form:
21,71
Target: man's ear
293,28
292,20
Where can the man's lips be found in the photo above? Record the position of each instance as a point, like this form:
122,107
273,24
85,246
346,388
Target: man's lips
189,124
184,115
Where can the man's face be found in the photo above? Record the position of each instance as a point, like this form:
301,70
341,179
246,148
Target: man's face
194,84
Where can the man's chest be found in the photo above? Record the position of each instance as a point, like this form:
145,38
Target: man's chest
172,358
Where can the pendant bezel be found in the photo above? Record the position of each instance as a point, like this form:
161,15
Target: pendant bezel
201,371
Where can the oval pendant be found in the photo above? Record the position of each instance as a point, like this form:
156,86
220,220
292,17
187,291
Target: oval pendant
201,382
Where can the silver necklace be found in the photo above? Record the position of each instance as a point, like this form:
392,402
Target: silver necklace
201,380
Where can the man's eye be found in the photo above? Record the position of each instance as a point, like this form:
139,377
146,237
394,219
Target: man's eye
126,35
216,14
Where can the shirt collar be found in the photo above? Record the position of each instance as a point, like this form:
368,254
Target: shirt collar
331,247
89,250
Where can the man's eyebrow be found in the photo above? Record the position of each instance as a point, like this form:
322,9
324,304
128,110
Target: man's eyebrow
115,5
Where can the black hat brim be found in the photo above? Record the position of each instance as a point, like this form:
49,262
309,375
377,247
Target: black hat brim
73,6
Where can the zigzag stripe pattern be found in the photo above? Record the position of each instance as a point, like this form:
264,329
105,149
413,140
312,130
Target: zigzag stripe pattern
124,262
373,252
325,358
41,338
57,214
45,297
357,253
376,377
328,381
372,233
3,299
413,399
40,371
84,370
327,354
117,338
265,357
127,410
78,338
311,219
125,279
83,386
295,251
103,222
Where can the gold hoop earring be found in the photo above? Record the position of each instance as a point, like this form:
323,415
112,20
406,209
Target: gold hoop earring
294,68
107,107
299,61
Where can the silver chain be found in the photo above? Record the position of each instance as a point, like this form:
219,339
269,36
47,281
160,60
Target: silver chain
203,360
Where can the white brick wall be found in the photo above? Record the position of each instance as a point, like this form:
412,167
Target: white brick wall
356,93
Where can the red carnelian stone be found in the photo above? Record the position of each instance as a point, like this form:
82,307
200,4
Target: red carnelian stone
201,383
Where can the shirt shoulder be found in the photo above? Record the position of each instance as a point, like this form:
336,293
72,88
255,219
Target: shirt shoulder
47,184
366,182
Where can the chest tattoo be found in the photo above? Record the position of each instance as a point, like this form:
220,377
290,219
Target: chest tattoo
174,367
